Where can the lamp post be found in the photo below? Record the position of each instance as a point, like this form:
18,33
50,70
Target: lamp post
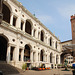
1,15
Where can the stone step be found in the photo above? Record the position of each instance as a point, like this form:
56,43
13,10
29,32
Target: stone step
8,69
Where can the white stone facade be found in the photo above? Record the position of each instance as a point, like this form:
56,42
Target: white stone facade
37,39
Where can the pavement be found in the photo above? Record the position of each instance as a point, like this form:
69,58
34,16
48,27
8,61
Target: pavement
47,72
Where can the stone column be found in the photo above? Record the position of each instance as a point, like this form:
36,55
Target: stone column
32,31
55,59
8,53
44,57
48,59
59,59
18,22
36,56
39,57
17,50
11,19
22,55
31,56
36,34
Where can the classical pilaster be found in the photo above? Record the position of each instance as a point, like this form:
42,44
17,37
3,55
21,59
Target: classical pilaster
17,50
11,18
8,53
18,22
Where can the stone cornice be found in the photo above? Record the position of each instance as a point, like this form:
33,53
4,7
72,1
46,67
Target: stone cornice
17,31
27,12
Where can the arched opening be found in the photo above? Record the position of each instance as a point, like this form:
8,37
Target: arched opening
56,59
27,53
42,36
3,48
28,27
56,45
41,58
6,13
50,41
51,57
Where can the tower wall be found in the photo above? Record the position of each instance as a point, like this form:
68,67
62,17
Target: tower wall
73,28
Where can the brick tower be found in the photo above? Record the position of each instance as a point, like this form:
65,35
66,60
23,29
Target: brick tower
73,33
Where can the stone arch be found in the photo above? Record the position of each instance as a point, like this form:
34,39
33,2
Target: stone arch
3,47
42,35
41,55
27,50
51,57
28,26
6,12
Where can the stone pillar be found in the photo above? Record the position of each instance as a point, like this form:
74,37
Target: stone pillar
36,56
22,55
31,56
8,53
59,59
32,31
39,57
18,22
48,59
14,54
11,19
55,60
17,50
44,57
36,35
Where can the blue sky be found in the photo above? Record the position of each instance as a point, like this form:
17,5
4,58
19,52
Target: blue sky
54,14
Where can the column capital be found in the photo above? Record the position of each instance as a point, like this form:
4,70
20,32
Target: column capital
8,44
31,50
